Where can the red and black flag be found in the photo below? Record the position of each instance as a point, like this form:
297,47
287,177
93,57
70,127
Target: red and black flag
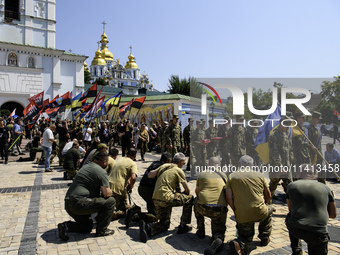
53,102
123,109
138,102
38,99
52,112
91,92
31,111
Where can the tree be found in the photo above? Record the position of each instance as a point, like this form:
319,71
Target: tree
330,99
100,81
87,76
187,87
5,112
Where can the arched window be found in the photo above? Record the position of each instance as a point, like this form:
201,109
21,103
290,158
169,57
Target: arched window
12,59
31,62
95,71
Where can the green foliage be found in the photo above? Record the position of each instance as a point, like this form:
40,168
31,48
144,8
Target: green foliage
262,100
100,81
4,112
330,99
87,77
187,87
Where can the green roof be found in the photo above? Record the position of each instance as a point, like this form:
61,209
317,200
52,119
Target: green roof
162,97
39,47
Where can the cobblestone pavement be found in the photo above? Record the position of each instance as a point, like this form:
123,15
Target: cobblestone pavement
32,204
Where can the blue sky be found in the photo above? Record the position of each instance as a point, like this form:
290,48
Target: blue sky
209,39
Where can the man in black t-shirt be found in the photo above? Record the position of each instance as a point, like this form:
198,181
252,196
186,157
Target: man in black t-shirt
125,132
4,140
63,139
147,185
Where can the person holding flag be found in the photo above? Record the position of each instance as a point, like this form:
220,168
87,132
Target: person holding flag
315,136
301,146
280,154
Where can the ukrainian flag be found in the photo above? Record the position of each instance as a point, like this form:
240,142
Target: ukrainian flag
261,143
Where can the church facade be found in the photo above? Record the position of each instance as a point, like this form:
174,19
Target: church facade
126,77
29,62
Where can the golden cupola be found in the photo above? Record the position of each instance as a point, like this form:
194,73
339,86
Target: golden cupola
131,64
98,59
106,54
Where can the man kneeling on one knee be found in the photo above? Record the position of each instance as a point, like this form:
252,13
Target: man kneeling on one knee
165,196
211,202
83,199
248,194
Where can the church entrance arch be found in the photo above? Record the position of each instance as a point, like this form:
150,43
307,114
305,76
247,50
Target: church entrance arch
11,105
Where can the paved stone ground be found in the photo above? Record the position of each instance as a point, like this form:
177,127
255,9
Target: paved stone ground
32,204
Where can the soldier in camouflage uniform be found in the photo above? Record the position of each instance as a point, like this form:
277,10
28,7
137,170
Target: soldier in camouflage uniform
315,136
174,137
280,154
301,146
163,137
251,134
166,196
237,140
211,202
203,123
210,133
186,137
223,131
199,149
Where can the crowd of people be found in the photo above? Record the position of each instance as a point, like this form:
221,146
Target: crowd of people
101,185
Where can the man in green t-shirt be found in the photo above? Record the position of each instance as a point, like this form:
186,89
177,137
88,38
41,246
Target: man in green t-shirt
122,180
89,193
166,196
211,202
72,161
310,204
248,194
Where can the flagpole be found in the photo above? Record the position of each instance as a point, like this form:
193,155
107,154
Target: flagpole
135,116
14,142
317,151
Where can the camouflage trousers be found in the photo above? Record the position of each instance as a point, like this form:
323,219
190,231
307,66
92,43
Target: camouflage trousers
201,157
60,150
218,216
225,156
174,150
211,150
235,159
121,204
275,181
163,212
143,148
71,173
246,231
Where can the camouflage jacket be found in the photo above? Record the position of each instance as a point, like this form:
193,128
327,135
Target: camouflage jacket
186,135
251,135
280,148
223,131
301,146
174,135
237,140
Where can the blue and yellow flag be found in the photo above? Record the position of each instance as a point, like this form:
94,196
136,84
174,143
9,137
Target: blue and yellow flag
261,143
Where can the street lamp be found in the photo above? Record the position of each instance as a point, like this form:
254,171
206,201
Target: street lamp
212,105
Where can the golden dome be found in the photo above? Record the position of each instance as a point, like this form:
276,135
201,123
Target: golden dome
85,65
131,64
106,54
98,59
